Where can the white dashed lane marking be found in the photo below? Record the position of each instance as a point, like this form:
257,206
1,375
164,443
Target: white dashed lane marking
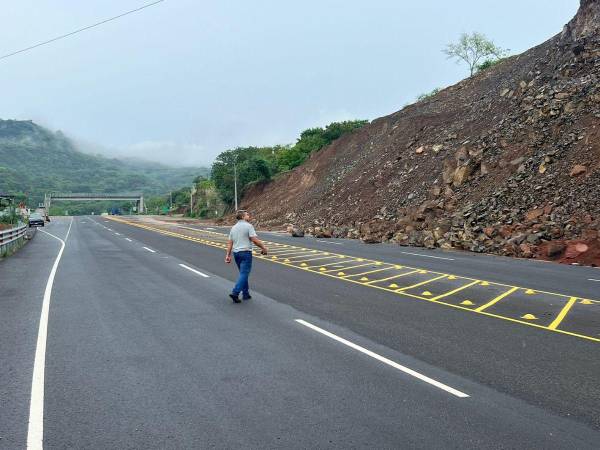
385,360
194,271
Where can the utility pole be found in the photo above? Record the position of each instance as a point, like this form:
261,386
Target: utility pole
192,192
235,185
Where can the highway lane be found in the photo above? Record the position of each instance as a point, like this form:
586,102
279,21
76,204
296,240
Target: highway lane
145,353
23,279
520,361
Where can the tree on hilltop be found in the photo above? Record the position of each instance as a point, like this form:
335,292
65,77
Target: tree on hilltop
474,49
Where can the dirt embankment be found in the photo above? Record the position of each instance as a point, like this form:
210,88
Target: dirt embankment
505,162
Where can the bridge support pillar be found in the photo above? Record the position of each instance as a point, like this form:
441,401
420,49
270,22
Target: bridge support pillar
141,206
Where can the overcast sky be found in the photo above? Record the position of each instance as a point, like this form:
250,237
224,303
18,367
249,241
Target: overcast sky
186,79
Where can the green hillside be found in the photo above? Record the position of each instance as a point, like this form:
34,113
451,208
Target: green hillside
34,160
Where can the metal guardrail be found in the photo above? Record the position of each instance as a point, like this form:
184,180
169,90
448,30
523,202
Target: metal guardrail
9,237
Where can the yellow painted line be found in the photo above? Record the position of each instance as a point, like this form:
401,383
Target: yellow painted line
304,253
372,271
563,313
406,294
349,267
292,255
422,283
456,290
392,278
289,251
288,248
283,251
311,259
497,299
337,265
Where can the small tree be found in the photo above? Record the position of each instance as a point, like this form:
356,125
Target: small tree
472,49
427,95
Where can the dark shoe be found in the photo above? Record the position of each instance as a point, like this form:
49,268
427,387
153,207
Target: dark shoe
235,298
247,297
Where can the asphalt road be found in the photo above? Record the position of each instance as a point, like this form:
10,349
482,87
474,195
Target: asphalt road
145,350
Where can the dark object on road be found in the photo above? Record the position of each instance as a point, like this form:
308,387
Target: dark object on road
36,220
297,232
235,298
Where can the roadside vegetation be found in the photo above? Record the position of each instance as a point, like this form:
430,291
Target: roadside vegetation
256,164
34,161
9,215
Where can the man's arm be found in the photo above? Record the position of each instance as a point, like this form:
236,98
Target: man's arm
229,248
259,244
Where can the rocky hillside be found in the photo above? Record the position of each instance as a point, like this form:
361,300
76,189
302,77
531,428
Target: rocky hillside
506,162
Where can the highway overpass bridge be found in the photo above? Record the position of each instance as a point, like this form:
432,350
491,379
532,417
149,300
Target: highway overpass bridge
90,196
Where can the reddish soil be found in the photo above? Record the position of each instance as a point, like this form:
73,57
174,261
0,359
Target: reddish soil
471,167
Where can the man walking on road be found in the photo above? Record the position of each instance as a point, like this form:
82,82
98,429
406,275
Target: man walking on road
241,238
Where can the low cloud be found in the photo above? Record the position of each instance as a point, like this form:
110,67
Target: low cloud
168,152
165,152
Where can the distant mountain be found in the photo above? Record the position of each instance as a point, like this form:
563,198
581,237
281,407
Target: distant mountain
35,160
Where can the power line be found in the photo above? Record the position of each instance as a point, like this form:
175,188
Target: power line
81,29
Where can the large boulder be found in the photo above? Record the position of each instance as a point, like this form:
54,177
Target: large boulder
322,233
297,232
377,230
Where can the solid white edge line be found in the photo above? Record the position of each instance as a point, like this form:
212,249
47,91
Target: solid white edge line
427,256
194,270
591,279
149,249
35,429
384,360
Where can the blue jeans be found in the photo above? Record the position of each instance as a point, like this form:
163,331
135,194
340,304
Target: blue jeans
244,263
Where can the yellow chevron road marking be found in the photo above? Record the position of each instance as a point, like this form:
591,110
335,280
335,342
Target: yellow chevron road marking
393,287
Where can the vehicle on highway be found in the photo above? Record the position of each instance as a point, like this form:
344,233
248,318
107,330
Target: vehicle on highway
36,220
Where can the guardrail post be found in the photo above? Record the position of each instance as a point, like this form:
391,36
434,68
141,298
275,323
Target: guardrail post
12,239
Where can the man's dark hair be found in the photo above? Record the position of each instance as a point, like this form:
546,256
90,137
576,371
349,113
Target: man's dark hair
240,214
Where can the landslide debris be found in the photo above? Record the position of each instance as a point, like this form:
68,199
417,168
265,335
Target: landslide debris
504,162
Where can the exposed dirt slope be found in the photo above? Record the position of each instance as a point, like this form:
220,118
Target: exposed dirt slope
507,161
